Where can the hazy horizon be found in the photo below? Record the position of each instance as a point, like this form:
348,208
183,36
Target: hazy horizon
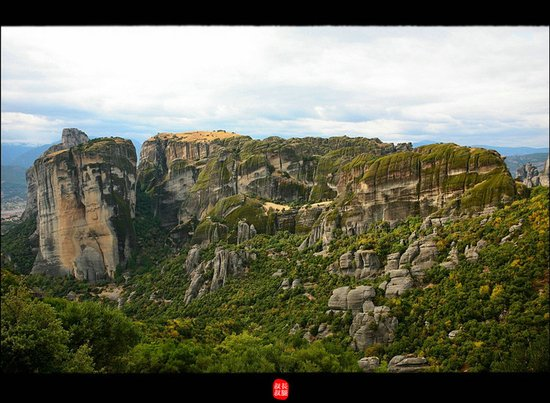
467,85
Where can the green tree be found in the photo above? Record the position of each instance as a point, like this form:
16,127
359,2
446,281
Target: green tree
244,353
33,338
107,331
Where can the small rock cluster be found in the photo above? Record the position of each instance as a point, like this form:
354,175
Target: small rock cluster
361,264
224,264
404,268
245,232
371,324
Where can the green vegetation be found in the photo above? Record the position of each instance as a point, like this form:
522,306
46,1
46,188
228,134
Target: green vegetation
17,246
498,305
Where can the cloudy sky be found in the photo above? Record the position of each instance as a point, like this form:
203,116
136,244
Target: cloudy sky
468,85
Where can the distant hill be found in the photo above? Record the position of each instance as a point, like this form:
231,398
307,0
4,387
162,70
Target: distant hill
14,184
21,155
513,162
506,151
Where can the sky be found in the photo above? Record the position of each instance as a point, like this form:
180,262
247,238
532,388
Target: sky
467,85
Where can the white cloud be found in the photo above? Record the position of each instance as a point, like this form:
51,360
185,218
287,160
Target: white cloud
32,129
374,81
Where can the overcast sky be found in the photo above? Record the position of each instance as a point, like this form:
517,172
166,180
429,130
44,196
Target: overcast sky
468,85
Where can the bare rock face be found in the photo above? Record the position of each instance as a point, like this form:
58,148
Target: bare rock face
452,258
73,137
471,253
369,364
372,328
358,296
85,202
371,324
245,232
193,258
530,176
407,364
31,209
361,264
339,298
404,269
398,285
225,264
416,182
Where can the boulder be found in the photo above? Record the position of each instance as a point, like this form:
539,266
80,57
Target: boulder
410,254
278,273
392,262
427,253
357,297
346,261
398,285
407,364
372,328
453,333
369,364
368,263
285,284
339,298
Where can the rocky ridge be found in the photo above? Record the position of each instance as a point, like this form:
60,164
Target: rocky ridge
83,195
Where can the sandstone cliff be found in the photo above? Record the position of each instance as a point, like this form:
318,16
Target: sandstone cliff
84,196
417,182
188,173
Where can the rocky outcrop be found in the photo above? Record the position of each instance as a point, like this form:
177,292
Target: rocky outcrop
361,264
408,364
245,232
371,324
188,173
418,182
209,276
530,176
31,209
452,258
369,364
85,203
407,268
471,253
373,327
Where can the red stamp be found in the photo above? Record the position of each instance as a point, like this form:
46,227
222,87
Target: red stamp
280,389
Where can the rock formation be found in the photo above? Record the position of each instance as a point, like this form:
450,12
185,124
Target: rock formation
210,275
83,195
371,324
361,264
417,182
245,232
404,269
369,364
530,176
188,173
407,364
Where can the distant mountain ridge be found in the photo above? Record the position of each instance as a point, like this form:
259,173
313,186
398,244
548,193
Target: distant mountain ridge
504,151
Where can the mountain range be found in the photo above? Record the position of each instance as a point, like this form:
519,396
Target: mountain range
217,252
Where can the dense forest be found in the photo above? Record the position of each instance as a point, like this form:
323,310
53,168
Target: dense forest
488,314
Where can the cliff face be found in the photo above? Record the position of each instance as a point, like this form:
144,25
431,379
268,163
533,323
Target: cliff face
417,182
188,173
85,201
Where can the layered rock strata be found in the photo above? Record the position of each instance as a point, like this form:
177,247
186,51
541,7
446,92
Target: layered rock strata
83,195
